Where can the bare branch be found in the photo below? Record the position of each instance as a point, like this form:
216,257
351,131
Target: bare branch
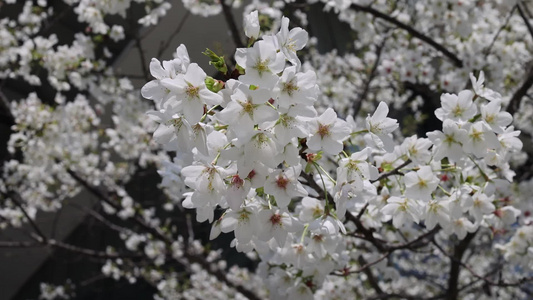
514,103
487,50
453,279
19,202
158,233
367,233
230,20
142,57
357,104
456,61
171,37
526,21
499,283
100,218
364,266
396,171
18,244
415,243
90,252
5,109
368,272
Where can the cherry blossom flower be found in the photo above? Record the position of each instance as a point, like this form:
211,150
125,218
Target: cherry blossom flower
420,184
251,25
284,185
380,126
328,133
191,93
262,64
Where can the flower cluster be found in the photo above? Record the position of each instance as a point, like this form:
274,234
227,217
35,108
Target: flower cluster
292,182
294,152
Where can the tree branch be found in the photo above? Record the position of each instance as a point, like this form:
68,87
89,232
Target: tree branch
368,272
5,110
514,103
158,233
142,57
456,61
357,104
455,267
526,21
396,171
226,10
171,37
18,202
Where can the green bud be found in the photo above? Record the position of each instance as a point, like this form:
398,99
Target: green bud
98,39
241,70
213,85
216,61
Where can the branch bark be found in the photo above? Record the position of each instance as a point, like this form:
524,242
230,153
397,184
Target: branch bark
226,10
157,232
514,103
455,266
439,47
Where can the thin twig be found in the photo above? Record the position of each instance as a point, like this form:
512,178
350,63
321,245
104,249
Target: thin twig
500,283
8,117
456,61
514,103
395,171
19,244
19,203
158,233
171,37
357,104
487,51
455,270
412,243
142,57
364,267
526,21
367,233
226,10
368,272
100,218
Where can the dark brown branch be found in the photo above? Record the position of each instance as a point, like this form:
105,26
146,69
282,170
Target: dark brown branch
364,265
357,104
142,57
368,272
321,193
18,244
19,203
367,233
171,37
158,233
90,252
395,171
416,243
68,247
222,277
514,103
487,50
455,266
526,21
100,218
456,61
5,110
500,283
235,33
